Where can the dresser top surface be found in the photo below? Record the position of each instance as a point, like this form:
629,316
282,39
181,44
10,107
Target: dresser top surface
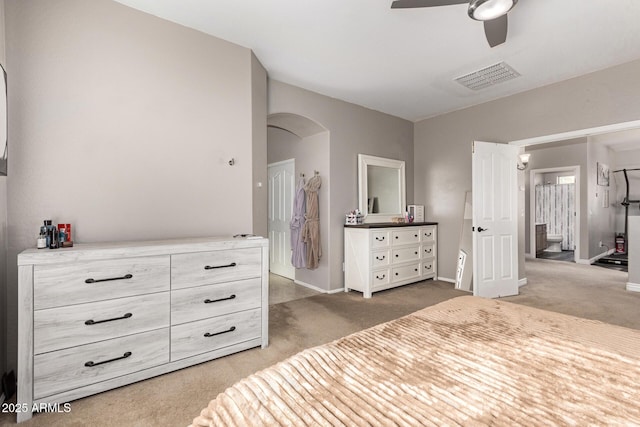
389,224
110,250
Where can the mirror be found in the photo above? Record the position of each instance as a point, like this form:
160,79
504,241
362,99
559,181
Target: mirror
3,123
381,188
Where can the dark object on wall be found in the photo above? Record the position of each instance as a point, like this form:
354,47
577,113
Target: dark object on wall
8,384
4,146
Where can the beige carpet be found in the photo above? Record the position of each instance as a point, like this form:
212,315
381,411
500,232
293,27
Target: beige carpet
174,399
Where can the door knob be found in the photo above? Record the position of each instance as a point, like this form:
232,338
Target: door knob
480,229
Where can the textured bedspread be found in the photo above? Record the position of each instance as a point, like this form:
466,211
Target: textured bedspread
467,361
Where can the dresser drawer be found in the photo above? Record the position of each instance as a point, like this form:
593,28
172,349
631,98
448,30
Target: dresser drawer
190,339
379,239
404,237
428,267
380,278
202,302
428,233
75,367
70,326
406,272
206,268
428,250
405,254
380,258
58,285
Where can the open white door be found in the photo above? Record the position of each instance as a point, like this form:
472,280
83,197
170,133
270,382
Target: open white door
495,219
281,188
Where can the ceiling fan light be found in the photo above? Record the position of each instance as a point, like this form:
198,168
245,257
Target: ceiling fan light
485,10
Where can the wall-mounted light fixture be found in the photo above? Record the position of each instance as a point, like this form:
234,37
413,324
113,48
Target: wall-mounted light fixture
523,161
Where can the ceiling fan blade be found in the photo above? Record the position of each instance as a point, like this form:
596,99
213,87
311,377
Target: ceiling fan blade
496,30
408,4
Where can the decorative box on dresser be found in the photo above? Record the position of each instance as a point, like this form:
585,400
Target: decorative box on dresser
98,316
380,256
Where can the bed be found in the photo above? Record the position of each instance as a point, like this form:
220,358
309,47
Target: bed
466,361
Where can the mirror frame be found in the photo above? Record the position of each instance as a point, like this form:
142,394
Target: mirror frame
365,160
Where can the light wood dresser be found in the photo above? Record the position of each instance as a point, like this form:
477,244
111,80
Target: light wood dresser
98,316
380,256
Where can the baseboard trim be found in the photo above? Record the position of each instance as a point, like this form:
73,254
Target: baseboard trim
446,279
317,289
522,282
633,287
595,258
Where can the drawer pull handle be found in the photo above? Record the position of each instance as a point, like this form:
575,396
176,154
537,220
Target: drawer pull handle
397,256
429,268
428,250
95,322
416,269
427,234
126,276
380,278
209,334
396,237
212,267
416,252
380,239
396,274
415,235
91,363
380,259
209,301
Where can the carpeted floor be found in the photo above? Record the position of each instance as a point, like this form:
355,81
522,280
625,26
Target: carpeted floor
175,399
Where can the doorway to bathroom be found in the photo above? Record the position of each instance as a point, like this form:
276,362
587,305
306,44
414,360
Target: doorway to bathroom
555,210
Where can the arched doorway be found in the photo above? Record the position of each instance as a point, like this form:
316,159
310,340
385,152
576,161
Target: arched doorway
297,148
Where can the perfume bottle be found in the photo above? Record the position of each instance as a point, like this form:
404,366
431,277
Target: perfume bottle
42,238
48,231
53,239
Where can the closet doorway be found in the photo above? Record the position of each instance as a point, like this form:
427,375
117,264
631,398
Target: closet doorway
281,188
555,213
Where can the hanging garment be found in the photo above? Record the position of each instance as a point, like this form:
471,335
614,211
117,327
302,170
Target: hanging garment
311,229
298,247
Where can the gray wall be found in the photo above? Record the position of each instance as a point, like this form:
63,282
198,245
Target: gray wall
443,143
123,125
259,145
601,219
353,129
310,153
556,155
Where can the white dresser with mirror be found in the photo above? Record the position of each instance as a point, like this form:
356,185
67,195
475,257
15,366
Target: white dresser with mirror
381,256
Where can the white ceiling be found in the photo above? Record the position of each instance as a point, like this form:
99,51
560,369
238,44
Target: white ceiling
404,61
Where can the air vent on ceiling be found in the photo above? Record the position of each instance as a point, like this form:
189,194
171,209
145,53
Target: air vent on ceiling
488,76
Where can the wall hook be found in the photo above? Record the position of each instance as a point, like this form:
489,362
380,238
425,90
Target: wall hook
232,162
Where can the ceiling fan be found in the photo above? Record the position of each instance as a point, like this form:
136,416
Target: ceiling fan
492,12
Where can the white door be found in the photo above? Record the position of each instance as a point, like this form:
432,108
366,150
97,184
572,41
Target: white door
495,219
281,189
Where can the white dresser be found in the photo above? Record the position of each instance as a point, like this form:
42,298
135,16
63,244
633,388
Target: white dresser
98,316
386,255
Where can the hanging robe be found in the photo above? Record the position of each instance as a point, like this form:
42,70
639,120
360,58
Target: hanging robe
298,247
311,229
